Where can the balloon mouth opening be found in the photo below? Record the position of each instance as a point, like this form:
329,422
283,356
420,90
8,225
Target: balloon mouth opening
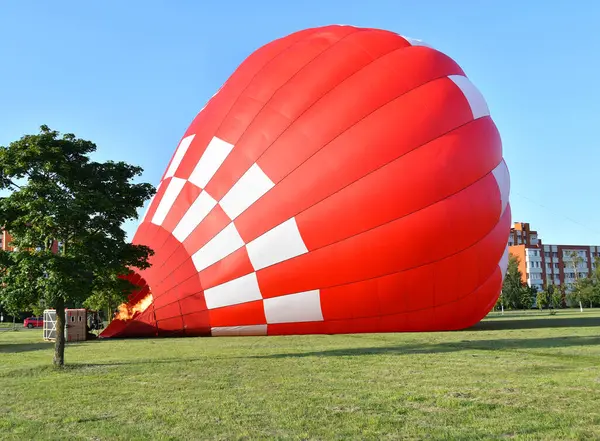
136,304
128,311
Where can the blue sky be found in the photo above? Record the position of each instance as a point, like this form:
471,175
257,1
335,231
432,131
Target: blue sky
131,75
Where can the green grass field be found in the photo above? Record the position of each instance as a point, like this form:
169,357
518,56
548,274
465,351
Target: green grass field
521,376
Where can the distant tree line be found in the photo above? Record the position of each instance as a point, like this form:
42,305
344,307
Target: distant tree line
585,291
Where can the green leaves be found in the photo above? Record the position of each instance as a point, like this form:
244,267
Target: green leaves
515,293
59,195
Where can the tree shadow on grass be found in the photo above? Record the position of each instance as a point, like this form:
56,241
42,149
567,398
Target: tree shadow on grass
24,347
15,348
109,364
95,418
447,347
499,324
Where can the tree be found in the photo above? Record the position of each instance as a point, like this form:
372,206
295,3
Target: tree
587,289
500,302
108,296
515,293
581,292
555,295
57,194
575,261
527,296
559,295
512,282
542,299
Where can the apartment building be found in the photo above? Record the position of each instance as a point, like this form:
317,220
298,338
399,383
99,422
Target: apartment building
541,263
5,240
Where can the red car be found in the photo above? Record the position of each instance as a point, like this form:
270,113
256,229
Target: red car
33,322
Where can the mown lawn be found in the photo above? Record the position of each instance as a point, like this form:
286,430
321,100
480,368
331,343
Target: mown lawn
521,376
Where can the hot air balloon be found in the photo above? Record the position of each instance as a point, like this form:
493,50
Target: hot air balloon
342,180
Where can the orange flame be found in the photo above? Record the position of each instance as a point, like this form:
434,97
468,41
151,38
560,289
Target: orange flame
126,312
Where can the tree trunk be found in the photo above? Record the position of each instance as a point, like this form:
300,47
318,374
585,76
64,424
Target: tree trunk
59,345
580,306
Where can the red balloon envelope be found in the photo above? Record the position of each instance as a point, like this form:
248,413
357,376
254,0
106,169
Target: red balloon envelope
342,180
